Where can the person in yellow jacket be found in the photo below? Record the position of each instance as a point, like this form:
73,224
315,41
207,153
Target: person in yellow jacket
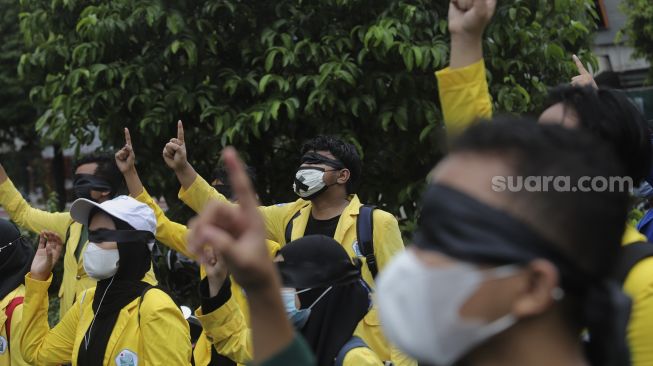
326,182
465,98
123,321
324,296
173,235
96,178
16,254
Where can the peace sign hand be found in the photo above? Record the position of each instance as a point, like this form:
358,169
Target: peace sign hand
584,78
174,153
125,157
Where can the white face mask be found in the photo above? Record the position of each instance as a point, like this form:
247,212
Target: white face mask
420,307
100,263
309,182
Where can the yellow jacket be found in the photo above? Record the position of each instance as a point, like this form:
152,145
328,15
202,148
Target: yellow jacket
75,280
10,354
161,338
225,327
173,235
465,97
387,243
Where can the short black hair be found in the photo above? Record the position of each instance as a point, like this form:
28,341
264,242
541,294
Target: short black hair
107,169
610,115
587,226
343,151
220,173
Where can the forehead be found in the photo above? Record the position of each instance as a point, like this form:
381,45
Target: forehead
473,174
101,221
326,154
88,168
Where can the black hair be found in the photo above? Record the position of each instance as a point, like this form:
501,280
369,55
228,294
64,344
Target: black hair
345,152
587,226
107,169
220,173
610,115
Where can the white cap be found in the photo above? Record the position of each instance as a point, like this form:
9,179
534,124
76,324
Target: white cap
138,215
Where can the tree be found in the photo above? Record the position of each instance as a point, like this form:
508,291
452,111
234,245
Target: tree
638,31
266,75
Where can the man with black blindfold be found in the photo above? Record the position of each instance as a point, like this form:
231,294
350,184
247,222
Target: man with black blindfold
512,278
97,178
15,257
324,297
326,182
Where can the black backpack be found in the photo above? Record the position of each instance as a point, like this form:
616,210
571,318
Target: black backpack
364,235
631,255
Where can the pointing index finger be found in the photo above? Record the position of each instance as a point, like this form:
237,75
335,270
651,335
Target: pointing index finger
240,181
180,131
579,65
128,138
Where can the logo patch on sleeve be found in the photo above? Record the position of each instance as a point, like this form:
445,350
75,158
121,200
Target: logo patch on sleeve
3,345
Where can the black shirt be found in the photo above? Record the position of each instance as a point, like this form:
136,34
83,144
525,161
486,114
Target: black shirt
321,227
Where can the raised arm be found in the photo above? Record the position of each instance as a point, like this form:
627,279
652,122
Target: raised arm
24,215
174,154
38,343
462,86
168,232
237,234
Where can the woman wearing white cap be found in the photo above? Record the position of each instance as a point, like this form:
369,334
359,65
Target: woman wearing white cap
119,322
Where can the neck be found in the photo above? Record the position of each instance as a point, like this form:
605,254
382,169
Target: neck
329,204
541,341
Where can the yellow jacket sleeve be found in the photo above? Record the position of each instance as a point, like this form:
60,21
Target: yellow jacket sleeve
164,330
464,96
168,232
39,344
29,217
200,192
225,327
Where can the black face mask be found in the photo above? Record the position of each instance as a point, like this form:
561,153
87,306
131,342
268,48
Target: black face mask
225,190
83,184
120,236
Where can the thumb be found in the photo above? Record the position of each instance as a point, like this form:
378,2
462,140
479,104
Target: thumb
581,68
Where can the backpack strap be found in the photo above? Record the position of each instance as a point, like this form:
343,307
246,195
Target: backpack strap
289,227
9,311
140,301
631,255
365,237
354,342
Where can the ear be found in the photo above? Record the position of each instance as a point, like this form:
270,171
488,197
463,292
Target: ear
343,176
536,295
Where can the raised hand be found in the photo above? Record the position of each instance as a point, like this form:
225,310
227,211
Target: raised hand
46,256
470,17
125,157
174,153
216,271
235,232
584,78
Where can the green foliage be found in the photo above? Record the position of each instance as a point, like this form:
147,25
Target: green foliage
266,75
16,112
638,31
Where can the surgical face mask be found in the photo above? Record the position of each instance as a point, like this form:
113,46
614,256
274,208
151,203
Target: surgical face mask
309,182
298,317
100,263
420,308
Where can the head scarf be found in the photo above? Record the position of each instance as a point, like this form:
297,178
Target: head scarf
118,291
319,262
15,257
